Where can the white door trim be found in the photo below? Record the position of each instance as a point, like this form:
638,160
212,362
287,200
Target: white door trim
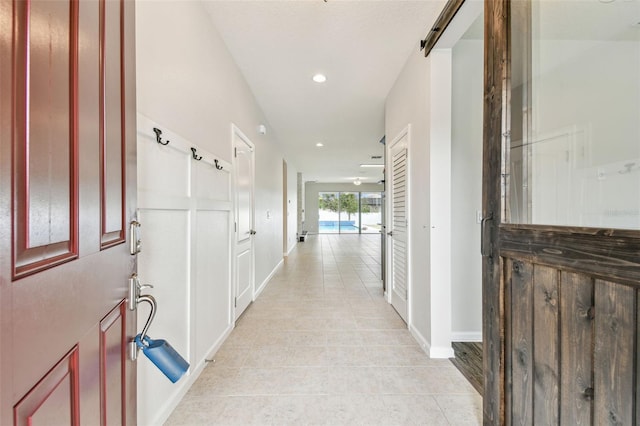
389,207
236,132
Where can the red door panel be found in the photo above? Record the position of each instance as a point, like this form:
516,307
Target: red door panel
112,136
67,192
54,400
44,107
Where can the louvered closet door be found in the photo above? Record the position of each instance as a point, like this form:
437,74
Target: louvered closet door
398,232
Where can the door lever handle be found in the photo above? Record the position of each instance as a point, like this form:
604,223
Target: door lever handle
135,291
483,227
390,233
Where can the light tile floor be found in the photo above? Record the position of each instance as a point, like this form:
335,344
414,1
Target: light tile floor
320,346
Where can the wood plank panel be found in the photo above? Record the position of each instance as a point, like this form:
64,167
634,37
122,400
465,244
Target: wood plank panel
576,389
495,95
522,342
615,322
546,346
637,360
508,341
608,254
45,135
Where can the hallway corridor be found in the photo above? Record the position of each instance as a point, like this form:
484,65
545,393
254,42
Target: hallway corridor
321,346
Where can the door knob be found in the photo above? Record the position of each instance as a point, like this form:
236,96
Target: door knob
390,233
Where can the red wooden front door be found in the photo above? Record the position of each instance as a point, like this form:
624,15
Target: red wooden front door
67,193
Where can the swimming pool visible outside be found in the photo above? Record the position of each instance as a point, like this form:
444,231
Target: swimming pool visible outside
344,226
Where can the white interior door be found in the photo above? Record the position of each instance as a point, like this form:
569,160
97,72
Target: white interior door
398,241
243,158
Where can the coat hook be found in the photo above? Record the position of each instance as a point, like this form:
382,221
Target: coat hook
195,156
628,168
218,166
158,138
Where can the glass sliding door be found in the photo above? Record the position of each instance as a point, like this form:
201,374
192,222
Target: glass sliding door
370,212
328,212
349,212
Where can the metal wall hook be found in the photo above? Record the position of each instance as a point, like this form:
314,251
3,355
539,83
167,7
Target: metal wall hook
158,133
195,156
218,166
628,168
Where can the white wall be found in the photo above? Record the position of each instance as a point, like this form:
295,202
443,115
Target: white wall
466,196
440,202
188,82
407,103
421,97
311,190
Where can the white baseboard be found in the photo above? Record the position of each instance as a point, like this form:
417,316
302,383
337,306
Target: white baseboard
266,280
431,351
186,382
290,249
466,336
441,352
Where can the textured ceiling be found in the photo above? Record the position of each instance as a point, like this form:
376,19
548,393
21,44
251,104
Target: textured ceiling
361,46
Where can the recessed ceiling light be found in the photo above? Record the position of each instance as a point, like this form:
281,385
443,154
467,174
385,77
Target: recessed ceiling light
371,165
357,181
319,78
319,144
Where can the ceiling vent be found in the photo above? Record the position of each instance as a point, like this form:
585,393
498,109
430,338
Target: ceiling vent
376,157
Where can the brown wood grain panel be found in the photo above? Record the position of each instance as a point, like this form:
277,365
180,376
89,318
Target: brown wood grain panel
54,399
508,341
112,123
607,254
113,356
546,353
637,360
576,307
614,358
496,16
522,343
45,145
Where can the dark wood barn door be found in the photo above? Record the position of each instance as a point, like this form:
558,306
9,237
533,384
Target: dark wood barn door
67,193
561,239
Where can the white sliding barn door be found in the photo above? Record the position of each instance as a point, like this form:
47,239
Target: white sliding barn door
245,210
399,247
186,225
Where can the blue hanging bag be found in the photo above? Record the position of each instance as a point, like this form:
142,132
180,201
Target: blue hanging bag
162,354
